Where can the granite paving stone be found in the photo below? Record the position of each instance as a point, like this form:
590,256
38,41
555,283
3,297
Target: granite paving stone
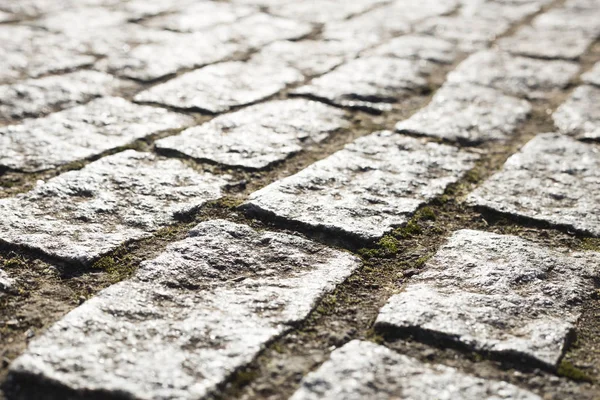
579,116
82,132
220,87
258,136
497,293
371,186
592,76
327,10
365,370
189,318
516,76
553,179
418,47
371,83
469,114
72,22
81,215
37,97
6,283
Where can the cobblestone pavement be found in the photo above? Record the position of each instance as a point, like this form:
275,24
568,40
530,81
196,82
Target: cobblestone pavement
273,199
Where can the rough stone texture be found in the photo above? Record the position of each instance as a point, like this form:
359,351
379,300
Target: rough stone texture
219,87
36,97
418,47
366,189
592,76
6,283
569,19
326,11
257,136
311,57
29,53
518,76
72,22
497,293
81,215
468,113
190,317
509,11
371,83
554,179
579,116
200,16
82,132
364,370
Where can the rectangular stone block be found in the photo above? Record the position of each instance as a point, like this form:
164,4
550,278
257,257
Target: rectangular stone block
579,116
258,136
82,132
553,179
365,370
469,114
497,293
189,318
417,47
327,10
365,190
81,215
592,76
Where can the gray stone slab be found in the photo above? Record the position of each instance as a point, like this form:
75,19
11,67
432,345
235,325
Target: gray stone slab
499,294
311,57
553,179
72,22
81,215
418,47
82,132
189,318
517,76
258,136
37,97
327,10
201,16
372,83
220,87
371,186
569,19
511,12
468,113
592,76
364,370
579,116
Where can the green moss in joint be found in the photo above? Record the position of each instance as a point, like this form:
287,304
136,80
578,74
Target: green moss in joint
590,244
570,371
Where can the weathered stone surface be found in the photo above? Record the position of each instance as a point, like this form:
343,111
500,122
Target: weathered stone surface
82,132
74,21
326,11
592,76
366,189
569,19
364,370
81,215
554,179
200,16
497,293
36,97
6,283
311,57
468,113
190,317
372,83
219,87
579,116
493,10
518,76
257,136
418,47
29,53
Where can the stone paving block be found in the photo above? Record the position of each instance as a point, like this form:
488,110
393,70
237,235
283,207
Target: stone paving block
517,76
220,87
258,136
568,19
418,47
579,116
6,283
511,12
553,179
365,370
82,132
497,293
371,186
311,57
140,9
37,97
72,22
592,76
81,215
189,318
372,83
326,11
201,16
468,113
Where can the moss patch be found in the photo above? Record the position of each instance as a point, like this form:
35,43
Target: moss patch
570,371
